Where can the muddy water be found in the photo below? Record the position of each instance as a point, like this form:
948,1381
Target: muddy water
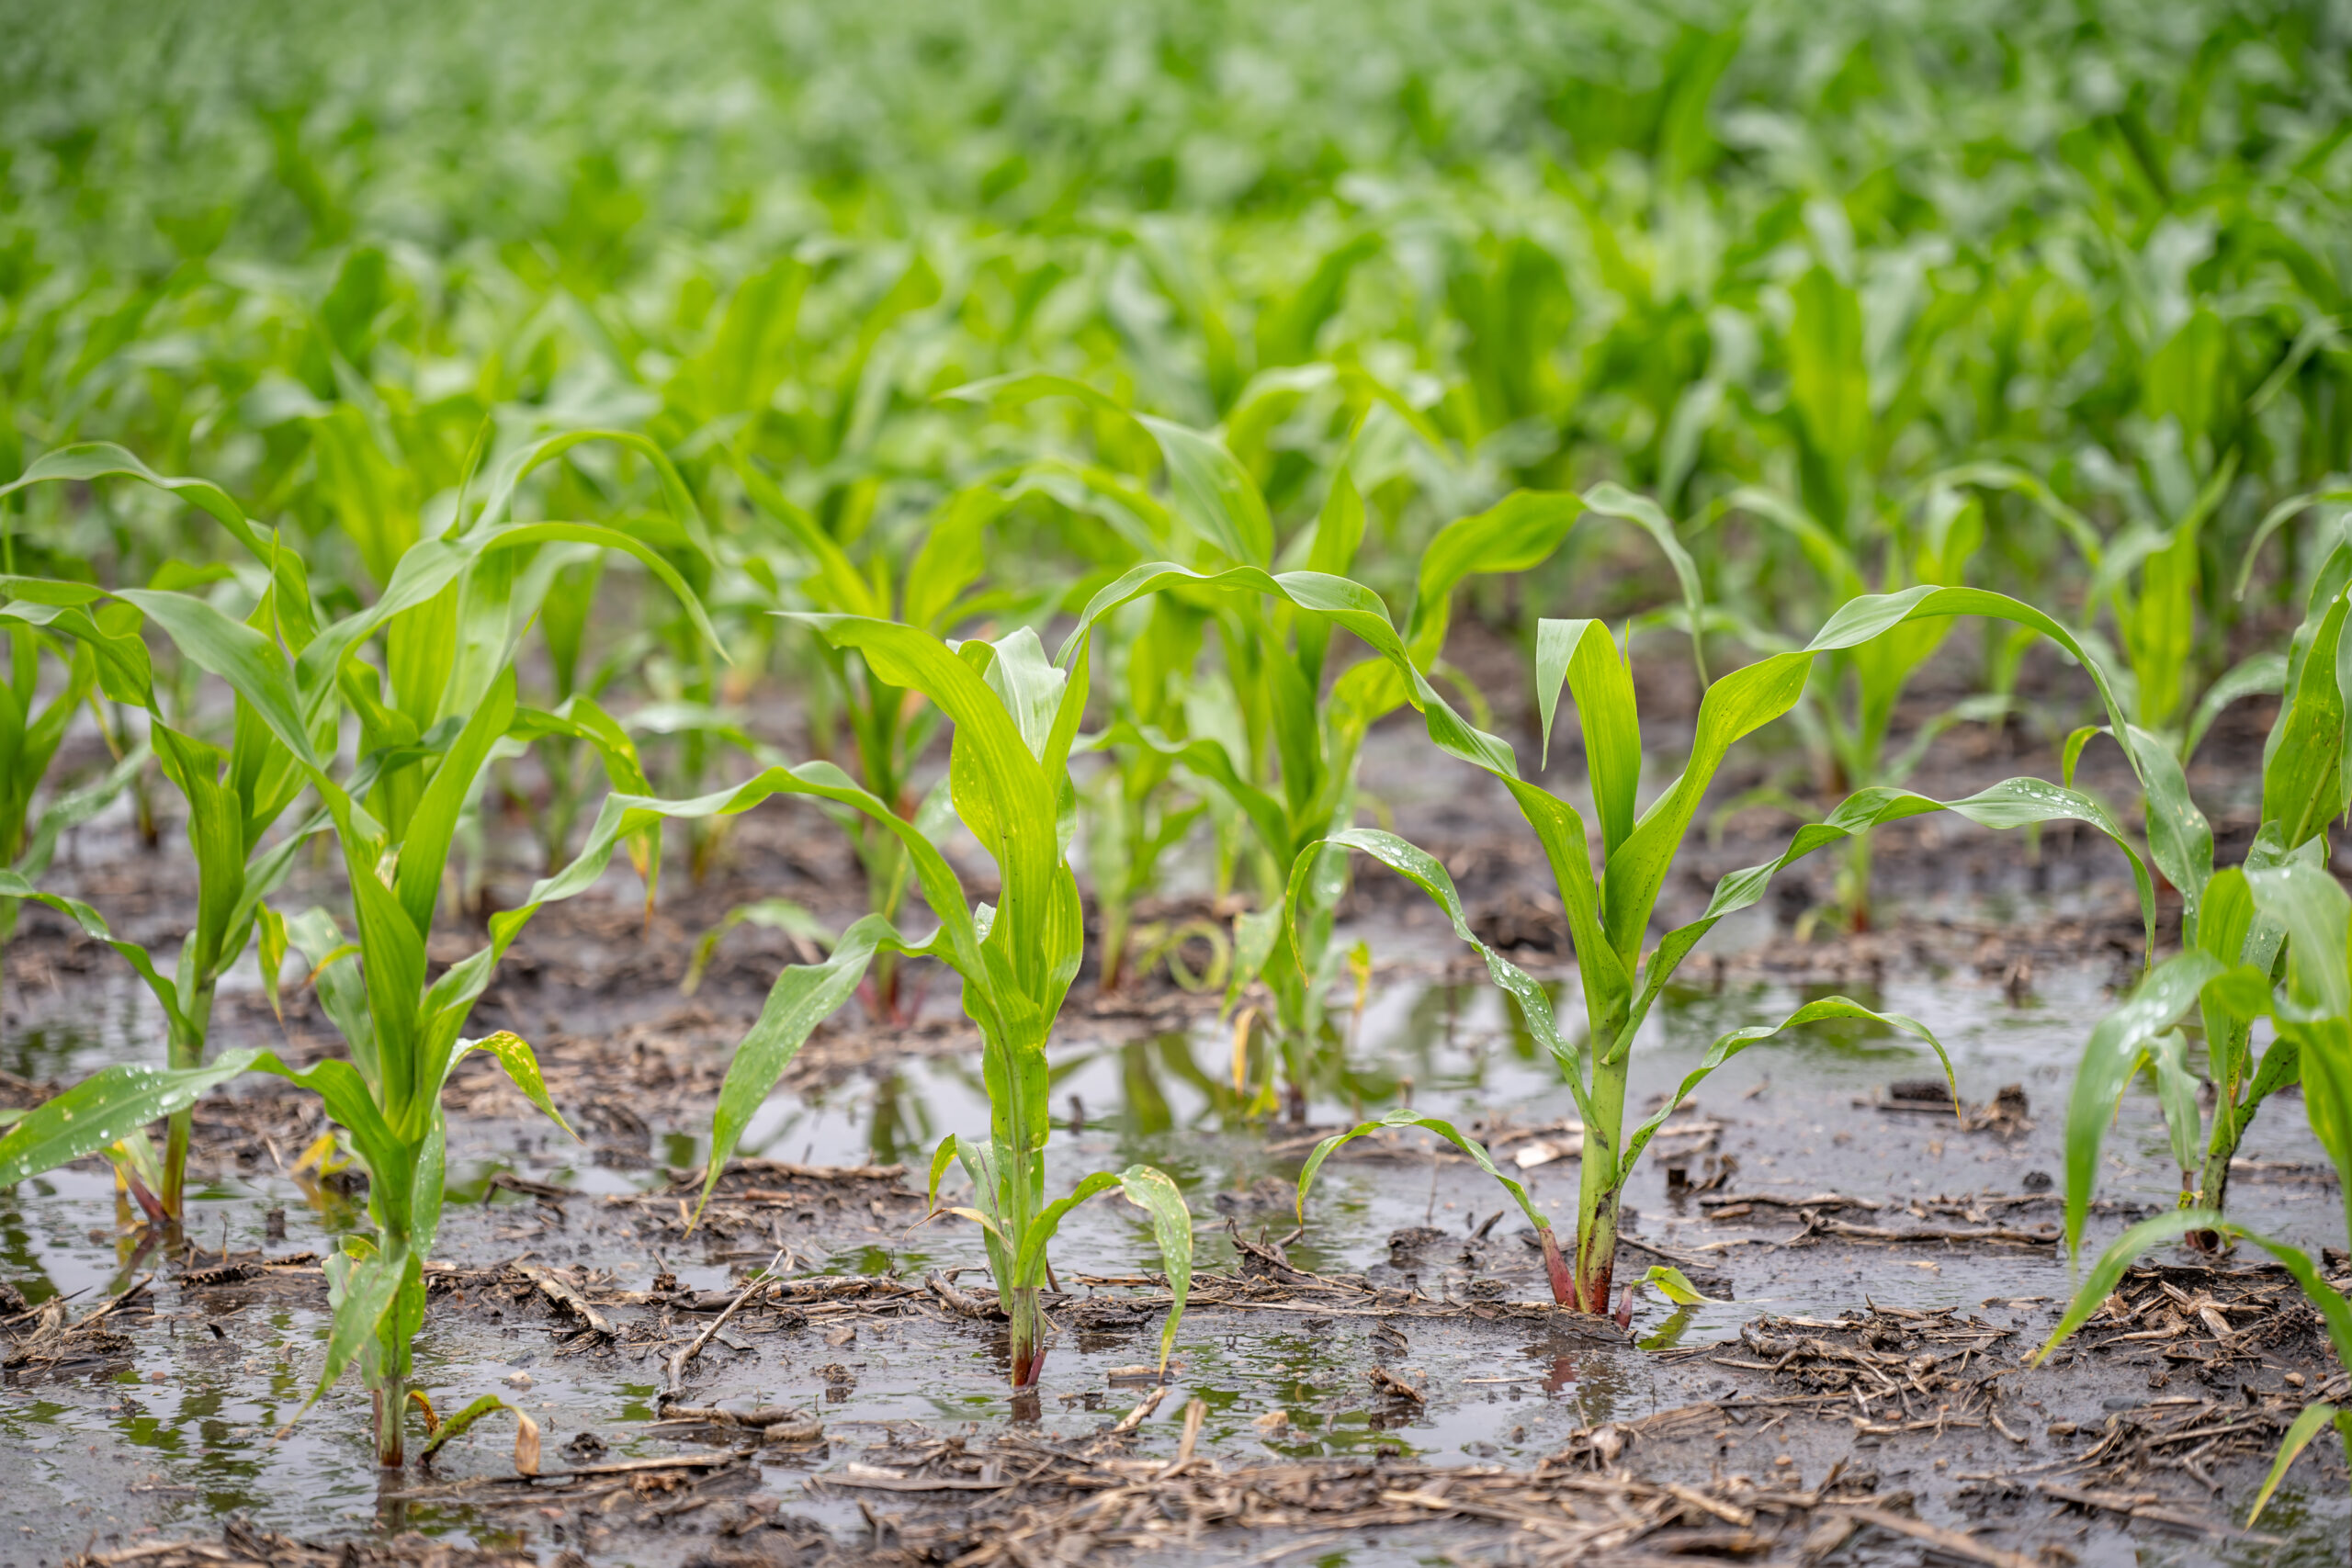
186,1432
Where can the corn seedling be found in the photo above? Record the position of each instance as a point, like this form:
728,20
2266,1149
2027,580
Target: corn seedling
1014,717
2304,789
2310,1010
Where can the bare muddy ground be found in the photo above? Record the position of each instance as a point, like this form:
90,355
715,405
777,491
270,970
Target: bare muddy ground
1383,1384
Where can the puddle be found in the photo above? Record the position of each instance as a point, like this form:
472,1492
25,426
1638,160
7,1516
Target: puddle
184,1434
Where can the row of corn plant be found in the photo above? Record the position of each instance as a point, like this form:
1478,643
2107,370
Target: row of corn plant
1609,914
2277,949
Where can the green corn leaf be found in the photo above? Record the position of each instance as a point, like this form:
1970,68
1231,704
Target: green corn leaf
1349,605
269,956
953,556
2010,803
110,1104
2315,911
512,469
515,1054
1675,1286
424,848
803,997
93,924
623,814
1741,702
771,914
126,671
1213,496
2325,1049
1829,386
1582,655
1729,1045
1610,499
2162,997
1019,387
2307,1425
1255,934
2176,1092
351,1102
2180,840
1422,870
364,1291
1171,1228
1000,792
2257,674
2302,771
430,566
50,593
343,995
2335,1313
1209,758
1029,1261
837,585
1214,493
103,459
1860,620
1405,1116
255,667
940,1159
1339,528
393,966
215,832
1561,833
1823,550
2275,519
1519,532
73,809
1028,684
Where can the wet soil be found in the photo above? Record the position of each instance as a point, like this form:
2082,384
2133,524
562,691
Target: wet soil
1385,1383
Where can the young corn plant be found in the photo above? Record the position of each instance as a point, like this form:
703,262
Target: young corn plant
2310,1007
234,797
1609,915
2305,788
1137,812
1014,717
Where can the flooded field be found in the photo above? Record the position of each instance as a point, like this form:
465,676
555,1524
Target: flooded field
185,1420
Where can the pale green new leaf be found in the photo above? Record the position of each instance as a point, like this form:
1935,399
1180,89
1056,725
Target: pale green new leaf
1675,1286
803,997
1171,1228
